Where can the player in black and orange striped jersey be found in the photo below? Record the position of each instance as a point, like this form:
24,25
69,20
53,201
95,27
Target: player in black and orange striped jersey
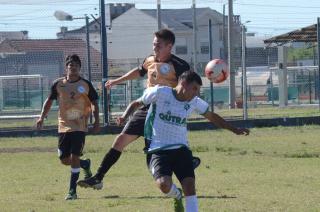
161,68
77,98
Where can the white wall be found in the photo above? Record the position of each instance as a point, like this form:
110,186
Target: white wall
132,35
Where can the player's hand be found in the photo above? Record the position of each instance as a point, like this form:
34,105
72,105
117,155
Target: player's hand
120,121
96,127
242,131
39,124
109,84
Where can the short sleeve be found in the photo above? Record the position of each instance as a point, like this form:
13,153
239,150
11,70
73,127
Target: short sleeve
201,106
149,96
53,91
92,94
142,69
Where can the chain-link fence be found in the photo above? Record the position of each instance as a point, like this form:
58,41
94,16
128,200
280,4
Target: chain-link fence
28,65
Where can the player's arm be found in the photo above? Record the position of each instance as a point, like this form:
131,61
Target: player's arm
132,107
47,104
148,97
95,111
45,110
221,123
131,75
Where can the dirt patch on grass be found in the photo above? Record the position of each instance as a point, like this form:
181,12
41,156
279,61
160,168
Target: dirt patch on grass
27,149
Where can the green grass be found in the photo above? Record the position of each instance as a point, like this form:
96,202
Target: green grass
273,169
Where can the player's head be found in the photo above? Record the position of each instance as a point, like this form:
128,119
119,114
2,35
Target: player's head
73,64
190,83
163,42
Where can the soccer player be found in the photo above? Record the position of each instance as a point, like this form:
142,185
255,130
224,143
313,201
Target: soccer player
161,68
77,98
166,134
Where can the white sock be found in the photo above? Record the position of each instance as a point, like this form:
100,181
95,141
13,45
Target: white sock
174,192
191,203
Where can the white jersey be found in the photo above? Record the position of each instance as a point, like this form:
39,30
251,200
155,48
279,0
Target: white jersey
166,122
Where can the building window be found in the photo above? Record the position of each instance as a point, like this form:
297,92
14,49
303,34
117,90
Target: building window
181,50
221,53
221,33
204,48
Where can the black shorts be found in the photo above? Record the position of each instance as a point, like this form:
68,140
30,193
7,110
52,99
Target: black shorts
166,162
71,143
135,126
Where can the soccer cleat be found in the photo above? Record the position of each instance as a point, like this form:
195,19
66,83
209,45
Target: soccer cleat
87,171
177,203
195,162
71,195
91,182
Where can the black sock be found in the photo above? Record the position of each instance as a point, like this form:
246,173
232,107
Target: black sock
73,179
84,164
109,159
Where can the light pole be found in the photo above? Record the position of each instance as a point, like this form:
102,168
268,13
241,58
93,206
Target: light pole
159,14
63,16
224,55
232,90
194,31
244,71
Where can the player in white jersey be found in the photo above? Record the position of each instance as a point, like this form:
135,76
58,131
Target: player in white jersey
166,133
165,126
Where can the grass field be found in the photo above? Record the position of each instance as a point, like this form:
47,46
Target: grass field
273,169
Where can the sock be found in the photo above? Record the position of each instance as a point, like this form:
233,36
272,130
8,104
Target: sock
73,179
174,192
191,203
84,164
109,159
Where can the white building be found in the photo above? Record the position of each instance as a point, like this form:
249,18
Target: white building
131,31
20,35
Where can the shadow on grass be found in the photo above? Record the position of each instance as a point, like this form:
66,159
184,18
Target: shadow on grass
164,197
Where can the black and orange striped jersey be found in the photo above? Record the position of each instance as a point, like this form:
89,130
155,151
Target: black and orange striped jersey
74,99
163,73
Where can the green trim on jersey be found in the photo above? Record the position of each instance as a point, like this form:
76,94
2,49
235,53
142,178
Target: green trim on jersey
149,123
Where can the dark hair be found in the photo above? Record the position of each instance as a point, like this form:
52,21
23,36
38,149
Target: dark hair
73,58
190,76
167,35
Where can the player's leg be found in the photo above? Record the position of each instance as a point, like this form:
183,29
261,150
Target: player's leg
183,169
133,129
110,158
64,150
188,187
75,171
114,153
76,141
85,164
159,164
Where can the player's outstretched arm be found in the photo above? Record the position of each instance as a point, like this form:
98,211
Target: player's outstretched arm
45,110
131,75
133,106
220,122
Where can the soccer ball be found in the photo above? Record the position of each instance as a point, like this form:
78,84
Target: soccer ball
216,71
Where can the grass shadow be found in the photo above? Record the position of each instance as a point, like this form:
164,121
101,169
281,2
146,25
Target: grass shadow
164,197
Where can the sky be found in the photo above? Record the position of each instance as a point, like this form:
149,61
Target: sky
272,17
